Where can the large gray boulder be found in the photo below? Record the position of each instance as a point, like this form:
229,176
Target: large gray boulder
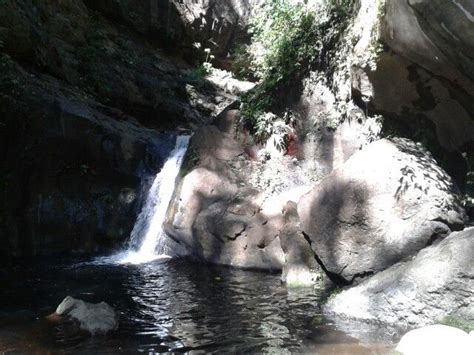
222,213
437,283
95,318
387,202
216,214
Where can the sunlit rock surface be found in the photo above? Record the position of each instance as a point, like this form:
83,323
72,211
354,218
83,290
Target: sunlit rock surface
438,282
387,202
423,83
229,205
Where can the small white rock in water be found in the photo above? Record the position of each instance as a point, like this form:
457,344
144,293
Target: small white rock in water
436,340
92,317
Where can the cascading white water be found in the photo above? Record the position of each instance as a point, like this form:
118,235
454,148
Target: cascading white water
148,238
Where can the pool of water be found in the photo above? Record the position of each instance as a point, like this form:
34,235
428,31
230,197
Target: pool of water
171,306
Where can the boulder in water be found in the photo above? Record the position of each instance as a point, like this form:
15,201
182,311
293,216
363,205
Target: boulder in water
301,268
384,204
95,318
437,283
436,339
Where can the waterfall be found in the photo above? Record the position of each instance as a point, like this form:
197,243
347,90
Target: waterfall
147,240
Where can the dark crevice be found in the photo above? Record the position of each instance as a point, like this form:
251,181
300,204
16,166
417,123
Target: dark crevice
236,235
357,278
435,238
454,227
337,279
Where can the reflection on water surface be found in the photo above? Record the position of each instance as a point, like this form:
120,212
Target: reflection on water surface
169,306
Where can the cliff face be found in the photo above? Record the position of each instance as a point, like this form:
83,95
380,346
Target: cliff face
430,63
85,88
359,203
178,25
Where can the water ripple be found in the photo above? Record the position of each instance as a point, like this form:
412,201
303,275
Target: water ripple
172,306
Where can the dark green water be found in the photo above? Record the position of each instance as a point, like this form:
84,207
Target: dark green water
174,306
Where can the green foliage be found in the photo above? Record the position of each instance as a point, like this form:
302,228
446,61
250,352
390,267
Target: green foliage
456,322
191,160
291,38
283,31
205,68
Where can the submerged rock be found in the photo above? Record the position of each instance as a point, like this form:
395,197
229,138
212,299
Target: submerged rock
437,283
95,318
436,339
386,203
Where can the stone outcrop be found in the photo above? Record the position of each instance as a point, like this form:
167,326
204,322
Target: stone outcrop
400,68
216,213
219,25
77,45
95,318
222,216
423,82
386,203
301,268
436,283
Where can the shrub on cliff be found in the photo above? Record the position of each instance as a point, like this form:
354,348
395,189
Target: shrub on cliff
289,38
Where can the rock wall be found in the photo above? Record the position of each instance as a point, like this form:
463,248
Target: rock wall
423,82
83,98
214,24
367,203
398,68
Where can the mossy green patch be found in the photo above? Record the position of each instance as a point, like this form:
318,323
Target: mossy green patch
294,39
458,322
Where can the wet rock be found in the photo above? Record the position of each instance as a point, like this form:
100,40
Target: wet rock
438,282
436,339
222,217
95,318
71,173
386,203
301,268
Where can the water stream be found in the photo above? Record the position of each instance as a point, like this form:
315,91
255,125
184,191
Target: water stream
147,238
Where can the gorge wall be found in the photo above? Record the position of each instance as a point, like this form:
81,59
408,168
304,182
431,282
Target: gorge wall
367,163
85,89
375,170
